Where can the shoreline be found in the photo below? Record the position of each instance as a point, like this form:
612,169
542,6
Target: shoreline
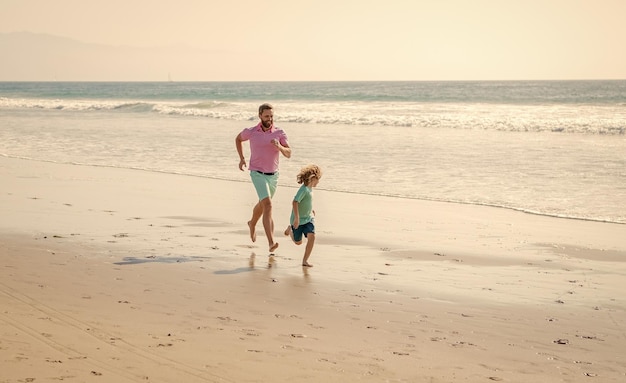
140,276
424,199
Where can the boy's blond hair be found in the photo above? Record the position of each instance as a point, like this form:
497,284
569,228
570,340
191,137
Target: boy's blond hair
308,172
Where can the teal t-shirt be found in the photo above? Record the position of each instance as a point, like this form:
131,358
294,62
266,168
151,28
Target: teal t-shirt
304,197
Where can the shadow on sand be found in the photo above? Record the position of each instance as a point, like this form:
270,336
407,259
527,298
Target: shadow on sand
136,261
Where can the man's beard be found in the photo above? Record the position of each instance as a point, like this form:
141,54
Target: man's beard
266,124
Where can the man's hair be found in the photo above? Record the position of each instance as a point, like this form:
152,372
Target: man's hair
264,107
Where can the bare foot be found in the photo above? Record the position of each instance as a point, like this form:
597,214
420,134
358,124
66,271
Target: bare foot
273,247
307,264
288,230
252,232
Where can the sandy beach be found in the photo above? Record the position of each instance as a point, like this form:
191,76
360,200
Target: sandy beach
118,275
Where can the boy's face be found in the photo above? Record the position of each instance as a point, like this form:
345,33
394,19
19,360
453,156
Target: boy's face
314,181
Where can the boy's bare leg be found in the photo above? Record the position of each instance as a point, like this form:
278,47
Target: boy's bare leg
309,248
289,232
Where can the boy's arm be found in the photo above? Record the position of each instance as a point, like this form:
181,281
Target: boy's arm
296,214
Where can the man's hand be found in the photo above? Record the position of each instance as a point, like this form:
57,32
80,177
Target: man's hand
242,164
284,149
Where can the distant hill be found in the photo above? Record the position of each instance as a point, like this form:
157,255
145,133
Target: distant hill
41,57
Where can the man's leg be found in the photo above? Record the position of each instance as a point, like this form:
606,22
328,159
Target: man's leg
265,187
257,212
268,222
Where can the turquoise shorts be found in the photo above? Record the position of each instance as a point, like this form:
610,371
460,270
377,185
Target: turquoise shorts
265,184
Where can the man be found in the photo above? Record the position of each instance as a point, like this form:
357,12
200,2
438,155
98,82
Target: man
267,142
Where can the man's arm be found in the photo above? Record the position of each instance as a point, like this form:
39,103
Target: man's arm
239,146
284,149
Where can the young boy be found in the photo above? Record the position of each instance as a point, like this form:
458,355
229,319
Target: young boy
301,221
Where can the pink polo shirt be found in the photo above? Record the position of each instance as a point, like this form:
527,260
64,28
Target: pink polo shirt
263,154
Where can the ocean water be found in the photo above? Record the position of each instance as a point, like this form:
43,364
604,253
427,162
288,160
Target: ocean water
555,148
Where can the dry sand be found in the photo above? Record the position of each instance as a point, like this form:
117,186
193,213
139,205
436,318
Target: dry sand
114,275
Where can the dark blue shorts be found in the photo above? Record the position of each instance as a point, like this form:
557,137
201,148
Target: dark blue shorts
302,229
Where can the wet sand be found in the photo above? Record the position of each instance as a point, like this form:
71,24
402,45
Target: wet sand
129,276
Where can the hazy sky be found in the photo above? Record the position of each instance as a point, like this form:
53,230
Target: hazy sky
326,39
